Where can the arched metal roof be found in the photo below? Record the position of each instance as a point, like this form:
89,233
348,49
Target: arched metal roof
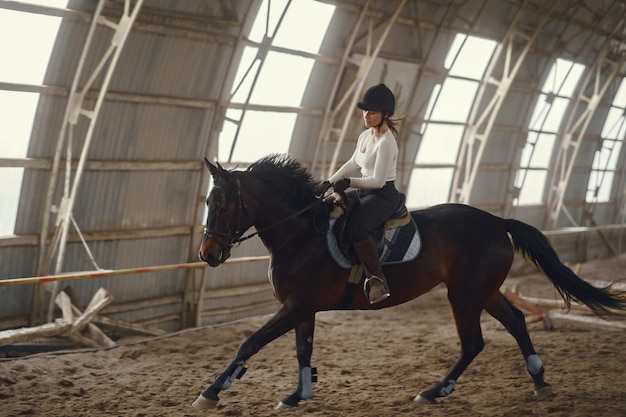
136,137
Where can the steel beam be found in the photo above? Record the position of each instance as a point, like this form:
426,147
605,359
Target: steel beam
580,116
75,108
479,128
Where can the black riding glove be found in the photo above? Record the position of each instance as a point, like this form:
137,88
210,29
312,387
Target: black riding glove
341,185
321,190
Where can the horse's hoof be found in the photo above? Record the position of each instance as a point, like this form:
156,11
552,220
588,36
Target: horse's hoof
423,400
282,406
203,403
544,392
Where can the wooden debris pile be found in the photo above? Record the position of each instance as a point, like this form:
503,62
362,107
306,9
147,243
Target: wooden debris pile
78,326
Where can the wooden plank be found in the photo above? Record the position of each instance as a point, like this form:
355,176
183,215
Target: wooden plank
96,337
8,337
125,326
65,304
587,319
101,299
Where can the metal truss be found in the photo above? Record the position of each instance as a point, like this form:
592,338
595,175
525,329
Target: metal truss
598,79
480,124
74,110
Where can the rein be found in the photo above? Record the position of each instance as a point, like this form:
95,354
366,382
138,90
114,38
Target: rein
238,240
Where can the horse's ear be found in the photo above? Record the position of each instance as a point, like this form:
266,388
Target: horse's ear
214,170
218,171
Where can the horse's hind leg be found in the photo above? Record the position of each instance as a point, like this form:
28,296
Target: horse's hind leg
307,375
467,319
513,320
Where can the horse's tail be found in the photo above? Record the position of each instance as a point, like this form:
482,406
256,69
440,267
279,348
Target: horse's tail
537,249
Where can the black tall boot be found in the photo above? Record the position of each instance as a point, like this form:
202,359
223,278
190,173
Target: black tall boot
375,285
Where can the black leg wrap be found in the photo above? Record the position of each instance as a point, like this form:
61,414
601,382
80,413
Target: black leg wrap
210,394
293,399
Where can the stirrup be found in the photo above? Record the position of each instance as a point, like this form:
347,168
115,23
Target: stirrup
381,295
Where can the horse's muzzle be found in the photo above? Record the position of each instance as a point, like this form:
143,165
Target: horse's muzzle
213,257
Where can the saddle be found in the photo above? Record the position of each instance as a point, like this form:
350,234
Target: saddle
397,239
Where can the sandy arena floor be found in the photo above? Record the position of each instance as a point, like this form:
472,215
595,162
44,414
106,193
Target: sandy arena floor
369,364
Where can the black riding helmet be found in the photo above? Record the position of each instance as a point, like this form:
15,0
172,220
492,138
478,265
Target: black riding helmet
378,98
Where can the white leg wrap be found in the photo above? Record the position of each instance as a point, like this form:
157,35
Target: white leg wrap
307,386
447,390
233,376
533,364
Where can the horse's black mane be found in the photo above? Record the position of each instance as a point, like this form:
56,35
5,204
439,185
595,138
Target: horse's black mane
286,174
294,182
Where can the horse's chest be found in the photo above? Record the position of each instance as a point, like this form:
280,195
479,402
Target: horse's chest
278,277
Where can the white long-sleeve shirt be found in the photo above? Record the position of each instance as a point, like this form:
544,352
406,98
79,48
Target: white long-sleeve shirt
377,166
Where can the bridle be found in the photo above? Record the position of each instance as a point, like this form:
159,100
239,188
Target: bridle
243,208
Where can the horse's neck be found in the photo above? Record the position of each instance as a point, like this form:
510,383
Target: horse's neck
278,227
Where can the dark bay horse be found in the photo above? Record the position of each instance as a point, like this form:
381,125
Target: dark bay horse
467,249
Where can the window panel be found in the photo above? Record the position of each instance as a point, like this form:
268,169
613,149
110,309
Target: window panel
614,124
263,133
282,80
227,136
264,23
538,150
620,97
457,44
533,184
440,144
473,58
455,100
310,21
25,52
429,186
248,67
17,112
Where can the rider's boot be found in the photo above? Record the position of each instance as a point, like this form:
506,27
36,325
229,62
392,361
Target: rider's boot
375,285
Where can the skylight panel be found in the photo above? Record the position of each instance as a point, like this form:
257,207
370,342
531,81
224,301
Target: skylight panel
614,124
545,122
27,41
454,50
620,97
263,133
605,159
440,144
228,134
268,17
473,58
25,52
244,78
533,182
538,150
431,185
282,80
311,31
563,77
17,112
455,100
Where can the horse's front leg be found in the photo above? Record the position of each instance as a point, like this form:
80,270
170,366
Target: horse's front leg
307,375
281,323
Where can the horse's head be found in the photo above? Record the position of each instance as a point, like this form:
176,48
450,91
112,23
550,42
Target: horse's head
229,216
